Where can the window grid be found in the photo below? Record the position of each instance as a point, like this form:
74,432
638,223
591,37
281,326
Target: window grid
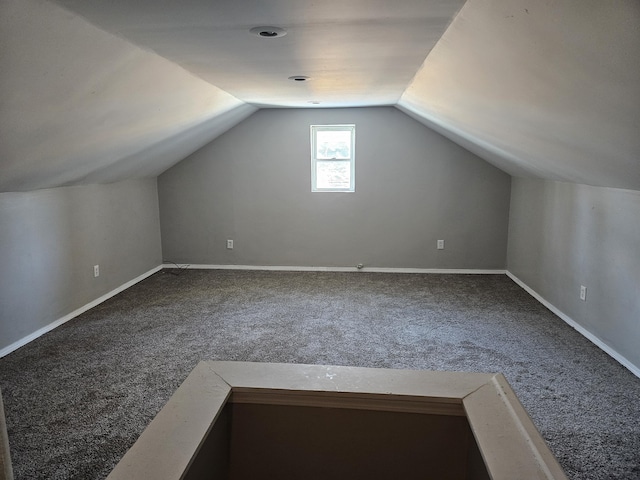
333,158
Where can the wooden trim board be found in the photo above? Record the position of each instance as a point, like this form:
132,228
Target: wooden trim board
6,472
508,442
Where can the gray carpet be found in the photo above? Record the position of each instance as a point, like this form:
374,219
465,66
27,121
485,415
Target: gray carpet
77,398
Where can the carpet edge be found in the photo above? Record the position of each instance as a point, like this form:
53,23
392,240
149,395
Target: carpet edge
608,349
301,268
47,328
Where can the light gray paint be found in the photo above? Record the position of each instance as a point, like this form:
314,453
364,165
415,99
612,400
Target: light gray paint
79,105
356,53
413,186
563,235
50,240
544,89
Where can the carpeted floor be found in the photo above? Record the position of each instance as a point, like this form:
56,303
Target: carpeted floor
77,398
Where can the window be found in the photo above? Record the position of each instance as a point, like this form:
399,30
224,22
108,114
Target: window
332,158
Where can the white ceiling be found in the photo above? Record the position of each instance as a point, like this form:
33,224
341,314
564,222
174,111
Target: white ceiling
544,89
356,52
96,91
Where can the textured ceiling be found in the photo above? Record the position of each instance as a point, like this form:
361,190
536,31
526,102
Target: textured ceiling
94,91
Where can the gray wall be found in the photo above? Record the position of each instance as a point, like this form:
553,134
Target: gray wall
50,240
413,186
563,235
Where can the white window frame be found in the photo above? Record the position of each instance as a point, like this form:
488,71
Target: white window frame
352,161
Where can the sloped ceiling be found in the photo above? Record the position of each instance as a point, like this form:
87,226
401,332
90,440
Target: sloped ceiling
79,105
94,91
549,89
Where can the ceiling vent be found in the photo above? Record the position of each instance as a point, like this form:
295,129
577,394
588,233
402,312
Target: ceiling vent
268,32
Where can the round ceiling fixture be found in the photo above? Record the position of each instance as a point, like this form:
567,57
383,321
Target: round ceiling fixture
268,32
299,78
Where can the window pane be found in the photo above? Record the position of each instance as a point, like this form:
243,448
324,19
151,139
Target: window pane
333,144
333,174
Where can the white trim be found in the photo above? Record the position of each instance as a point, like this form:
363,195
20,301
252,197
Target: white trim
294,268
586,333
32,336
572,323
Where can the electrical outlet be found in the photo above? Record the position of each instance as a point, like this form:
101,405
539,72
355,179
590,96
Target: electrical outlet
583,293
230,244
96,271
440,244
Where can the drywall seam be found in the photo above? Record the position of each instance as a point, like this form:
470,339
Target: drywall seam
293,268
572,323
38,333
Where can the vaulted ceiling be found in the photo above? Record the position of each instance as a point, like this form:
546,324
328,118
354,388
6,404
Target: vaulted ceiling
94,91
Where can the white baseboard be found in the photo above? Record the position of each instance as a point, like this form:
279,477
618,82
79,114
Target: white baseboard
23,341
590,336
572,323
334,269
